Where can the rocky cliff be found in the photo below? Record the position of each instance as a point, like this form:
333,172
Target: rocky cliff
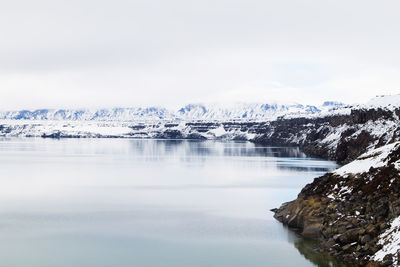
338,137
354,210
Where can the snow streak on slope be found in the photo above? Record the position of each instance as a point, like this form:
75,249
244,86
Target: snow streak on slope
390,241
374,158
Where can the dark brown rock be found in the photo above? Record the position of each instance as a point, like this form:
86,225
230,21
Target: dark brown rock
348,235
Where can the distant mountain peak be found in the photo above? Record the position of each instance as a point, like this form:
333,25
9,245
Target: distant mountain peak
204,112
332,103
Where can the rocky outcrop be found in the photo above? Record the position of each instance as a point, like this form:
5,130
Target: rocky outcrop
338,137
354,211
350,209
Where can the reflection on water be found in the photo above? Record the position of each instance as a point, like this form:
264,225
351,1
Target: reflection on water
308,249
114,202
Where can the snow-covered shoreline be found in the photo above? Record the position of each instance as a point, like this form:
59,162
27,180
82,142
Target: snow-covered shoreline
369,134
339,133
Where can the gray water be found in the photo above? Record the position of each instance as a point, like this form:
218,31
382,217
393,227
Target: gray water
118,202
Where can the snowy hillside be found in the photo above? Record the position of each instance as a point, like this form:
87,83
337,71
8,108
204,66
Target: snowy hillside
385,101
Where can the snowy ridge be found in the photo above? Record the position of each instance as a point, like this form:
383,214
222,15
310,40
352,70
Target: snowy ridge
242,111
191,112
200,112
114,114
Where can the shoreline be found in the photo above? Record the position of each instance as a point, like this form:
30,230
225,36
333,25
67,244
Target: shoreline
321,205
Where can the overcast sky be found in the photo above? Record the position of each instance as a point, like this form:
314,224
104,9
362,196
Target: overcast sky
95,53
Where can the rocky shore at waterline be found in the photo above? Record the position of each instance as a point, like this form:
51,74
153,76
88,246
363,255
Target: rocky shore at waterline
354,211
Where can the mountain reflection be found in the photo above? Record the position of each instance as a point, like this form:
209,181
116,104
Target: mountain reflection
130,202
199,151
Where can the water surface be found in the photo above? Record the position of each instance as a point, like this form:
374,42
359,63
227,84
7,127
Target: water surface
118,202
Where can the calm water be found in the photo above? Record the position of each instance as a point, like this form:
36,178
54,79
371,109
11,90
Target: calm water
113,202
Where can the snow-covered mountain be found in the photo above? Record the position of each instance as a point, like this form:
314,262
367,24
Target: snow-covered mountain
331,105
200,112
191,112
113,114
243,111
326,127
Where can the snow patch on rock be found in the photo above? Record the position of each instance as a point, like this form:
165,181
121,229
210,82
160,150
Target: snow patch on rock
390,240
374,158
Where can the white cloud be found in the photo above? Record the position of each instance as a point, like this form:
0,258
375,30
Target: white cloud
126,53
